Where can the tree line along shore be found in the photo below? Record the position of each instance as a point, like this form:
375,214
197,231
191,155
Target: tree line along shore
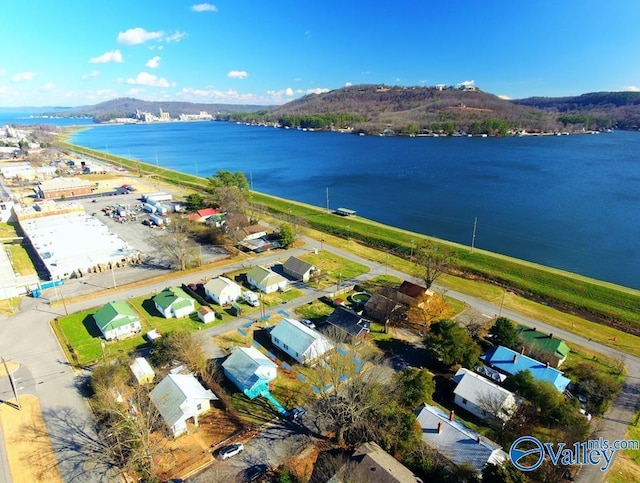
601,302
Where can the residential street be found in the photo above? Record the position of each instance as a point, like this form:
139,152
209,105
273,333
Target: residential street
28,340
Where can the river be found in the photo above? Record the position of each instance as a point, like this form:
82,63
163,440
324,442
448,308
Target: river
571,202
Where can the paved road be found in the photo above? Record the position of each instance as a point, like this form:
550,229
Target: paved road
28,340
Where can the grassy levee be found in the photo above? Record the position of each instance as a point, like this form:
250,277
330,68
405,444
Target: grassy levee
612,304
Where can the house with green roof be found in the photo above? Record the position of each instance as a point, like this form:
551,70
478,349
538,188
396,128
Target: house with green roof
264,280
173,302
555,350
116,320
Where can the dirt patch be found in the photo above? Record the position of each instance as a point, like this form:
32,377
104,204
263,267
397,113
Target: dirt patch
30,459
193,451
301,465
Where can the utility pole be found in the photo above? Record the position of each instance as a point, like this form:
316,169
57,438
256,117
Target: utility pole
113,276
13,383
328,199
473,239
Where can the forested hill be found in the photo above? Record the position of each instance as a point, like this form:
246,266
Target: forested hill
411,110
622,108
126,107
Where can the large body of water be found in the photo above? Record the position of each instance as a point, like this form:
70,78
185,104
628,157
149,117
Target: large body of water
571,202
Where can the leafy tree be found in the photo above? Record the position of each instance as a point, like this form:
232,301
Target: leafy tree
287,235
195,202
227,178
451,344
428,308
417,387
505,333
432,260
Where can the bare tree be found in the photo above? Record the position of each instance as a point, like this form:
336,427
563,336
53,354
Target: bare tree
176,244
350,390
432,260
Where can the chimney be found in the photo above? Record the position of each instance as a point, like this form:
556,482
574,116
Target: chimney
515,357
534,329
522,350
478,439
440,427
547,363
551,335
451,415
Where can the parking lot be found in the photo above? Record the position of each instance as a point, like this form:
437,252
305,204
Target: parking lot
133,230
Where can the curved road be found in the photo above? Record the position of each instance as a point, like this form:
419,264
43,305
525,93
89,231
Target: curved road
27,339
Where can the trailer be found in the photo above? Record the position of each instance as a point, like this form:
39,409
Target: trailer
149,208
160,196
156,220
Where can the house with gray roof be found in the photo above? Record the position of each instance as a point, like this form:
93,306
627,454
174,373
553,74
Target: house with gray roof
265,280
299,269
372,464
345,324
116,320
457,442
483,398
222,290
174,302
180,399
250,370
303,344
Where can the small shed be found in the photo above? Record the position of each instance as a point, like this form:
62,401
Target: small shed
206,314
142,371
345,212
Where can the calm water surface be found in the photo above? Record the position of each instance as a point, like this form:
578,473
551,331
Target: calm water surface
571,202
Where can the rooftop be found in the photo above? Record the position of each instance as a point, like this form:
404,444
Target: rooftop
544,342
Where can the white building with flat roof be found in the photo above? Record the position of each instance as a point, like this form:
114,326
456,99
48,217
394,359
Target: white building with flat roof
71,242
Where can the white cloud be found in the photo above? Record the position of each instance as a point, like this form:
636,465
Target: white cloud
467,83
146,79
49,86
107,57
92,75
317,90
238,74
177,37
632,88
204,7
154,62
2,71
214,95
5,89
138,35
106,93
23,76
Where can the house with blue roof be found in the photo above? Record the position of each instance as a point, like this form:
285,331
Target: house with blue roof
511,362
250,370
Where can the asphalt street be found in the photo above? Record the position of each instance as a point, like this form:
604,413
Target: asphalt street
27,339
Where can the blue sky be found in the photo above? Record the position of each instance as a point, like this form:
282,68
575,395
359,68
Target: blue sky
75,52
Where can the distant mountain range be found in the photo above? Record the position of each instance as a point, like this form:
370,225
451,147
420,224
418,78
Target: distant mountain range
406,110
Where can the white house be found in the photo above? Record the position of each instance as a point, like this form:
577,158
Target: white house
116,320
222,290
483,398
457,442
174,302
265,280
250,370
299,341
206,314
180,398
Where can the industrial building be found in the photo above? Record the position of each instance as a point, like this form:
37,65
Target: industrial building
70,242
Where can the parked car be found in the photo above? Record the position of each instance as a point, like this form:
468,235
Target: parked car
308,323
255,472
231,450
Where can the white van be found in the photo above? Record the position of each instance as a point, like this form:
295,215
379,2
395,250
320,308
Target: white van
251,298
